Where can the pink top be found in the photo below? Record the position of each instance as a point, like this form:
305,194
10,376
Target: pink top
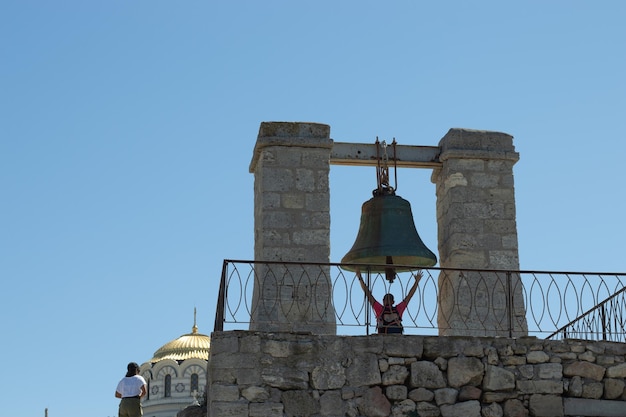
378,308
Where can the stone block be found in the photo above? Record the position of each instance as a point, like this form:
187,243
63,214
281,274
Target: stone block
223,343
446,396
373,403
425,409
585,370
328,375
469,392
270,201
221,392
285,377
614,388
396,374
363,370
468,165
278,180
396,392
575,387
596,408
514,408
550,371
421,394
456,179
513,360
299,403
537,356
426,375
223,375
228,409
617,371
318,159
315,220
492,410
255,394
484,180
502,227
370,344
546,406
331,404
587,356
540,387
403,408
448,347
406,346
293,130
278,348
615,348
497,397
311,237
593,390
605,360
316,202
526,371
498,379
276,219
465,371
250,344
395,361
247,376
293,201
464,409
235,360
266,410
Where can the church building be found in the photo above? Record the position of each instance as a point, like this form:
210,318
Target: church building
176,374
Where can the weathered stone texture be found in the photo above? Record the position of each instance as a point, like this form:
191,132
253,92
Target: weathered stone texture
288,374
465,371
498,379
477,226
192,411
291,163
492,410
585,369
299,403
464,409
426,375
546,406
374,403
617,371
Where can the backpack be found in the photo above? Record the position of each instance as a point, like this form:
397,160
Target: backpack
389,321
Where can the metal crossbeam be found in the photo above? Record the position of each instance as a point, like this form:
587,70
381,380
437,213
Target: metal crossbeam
364,154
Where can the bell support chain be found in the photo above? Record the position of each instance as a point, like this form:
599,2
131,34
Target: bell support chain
364,154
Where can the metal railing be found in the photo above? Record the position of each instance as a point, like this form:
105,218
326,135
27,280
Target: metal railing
605,321
447,301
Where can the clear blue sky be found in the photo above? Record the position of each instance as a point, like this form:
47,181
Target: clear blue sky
127,129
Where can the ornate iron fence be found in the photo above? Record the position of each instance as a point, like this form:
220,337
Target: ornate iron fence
605,321
447,301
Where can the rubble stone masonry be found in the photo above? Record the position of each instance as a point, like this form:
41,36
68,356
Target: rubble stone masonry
265,374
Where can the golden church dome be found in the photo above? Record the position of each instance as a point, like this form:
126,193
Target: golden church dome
189,346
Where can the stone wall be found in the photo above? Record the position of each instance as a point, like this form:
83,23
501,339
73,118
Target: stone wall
477,228
288,374
291,164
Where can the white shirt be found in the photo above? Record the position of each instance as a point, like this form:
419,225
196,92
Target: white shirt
130,386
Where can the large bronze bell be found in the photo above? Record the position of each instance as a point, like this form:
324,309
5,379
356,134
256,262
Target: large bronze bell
387,237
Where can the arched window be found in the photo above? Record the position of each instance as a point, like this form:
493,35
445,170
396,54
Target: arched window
168,385
194,383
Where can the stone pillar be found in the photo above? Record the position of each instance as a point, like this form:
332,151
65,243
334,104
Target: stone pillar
477,230
291,166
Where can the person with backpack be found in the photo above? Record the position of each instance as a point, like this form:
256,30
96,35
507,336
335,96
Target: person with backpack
388,315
